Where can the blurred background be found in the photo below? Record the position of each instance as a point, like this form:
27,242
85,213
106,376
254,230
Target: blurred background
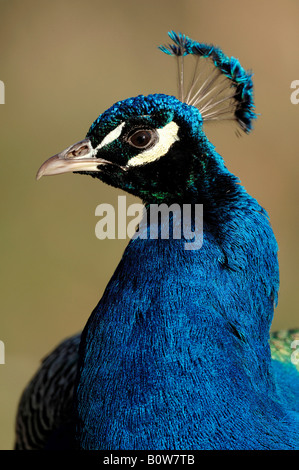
63,62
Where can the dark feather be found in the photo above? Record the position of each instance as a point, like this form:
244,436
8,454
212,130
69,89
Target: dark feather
46,407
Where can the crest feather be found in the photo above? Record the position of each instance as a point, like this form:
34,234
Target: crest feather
220,88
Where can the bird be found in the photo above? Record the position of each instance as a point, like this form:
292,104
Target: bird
178,353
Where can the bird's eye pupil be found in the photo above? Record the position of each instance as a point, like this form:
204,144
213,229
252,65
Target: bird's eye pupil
141,138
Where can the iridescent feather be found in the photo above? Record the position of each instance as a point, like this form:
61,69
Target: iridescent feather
284,345
219,88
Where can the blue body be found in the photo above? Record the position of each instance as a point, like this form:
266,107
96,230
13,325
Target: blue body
176,354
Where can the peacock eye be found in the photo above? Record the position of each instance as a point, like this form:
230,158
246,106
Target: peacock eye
142,138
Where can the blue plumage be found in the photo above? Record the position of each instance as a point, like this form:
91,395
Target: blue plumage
179,341
176,354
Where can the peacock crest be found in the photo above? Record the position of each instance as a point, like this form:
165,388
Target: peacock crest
220,88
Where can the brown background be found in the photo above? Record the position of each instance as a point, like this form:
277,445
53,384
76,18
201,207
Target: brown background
63,63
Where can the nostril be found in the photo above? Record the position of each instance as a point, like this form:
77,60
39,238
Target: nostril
79,152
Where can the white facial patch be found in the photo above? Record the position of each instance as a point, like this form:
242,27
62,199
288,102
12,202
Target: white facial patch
113,135
167,136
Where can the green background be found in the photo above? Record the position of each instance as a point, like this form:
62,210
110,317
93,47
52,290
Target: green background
63,63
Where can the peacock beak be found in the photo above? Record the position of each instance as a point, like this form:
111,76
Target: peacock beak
77,157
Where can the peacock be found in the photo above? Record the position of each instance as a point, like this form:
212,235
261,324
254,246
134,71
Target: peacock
178,353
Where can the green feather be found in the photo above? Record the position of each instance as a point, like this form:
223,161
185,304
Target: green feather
284,345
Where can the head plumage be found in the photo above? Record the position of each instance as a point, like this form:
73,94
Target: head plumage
219,88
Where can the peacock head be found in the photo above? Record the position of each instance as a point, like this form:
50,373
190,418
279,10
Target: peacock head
154,146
